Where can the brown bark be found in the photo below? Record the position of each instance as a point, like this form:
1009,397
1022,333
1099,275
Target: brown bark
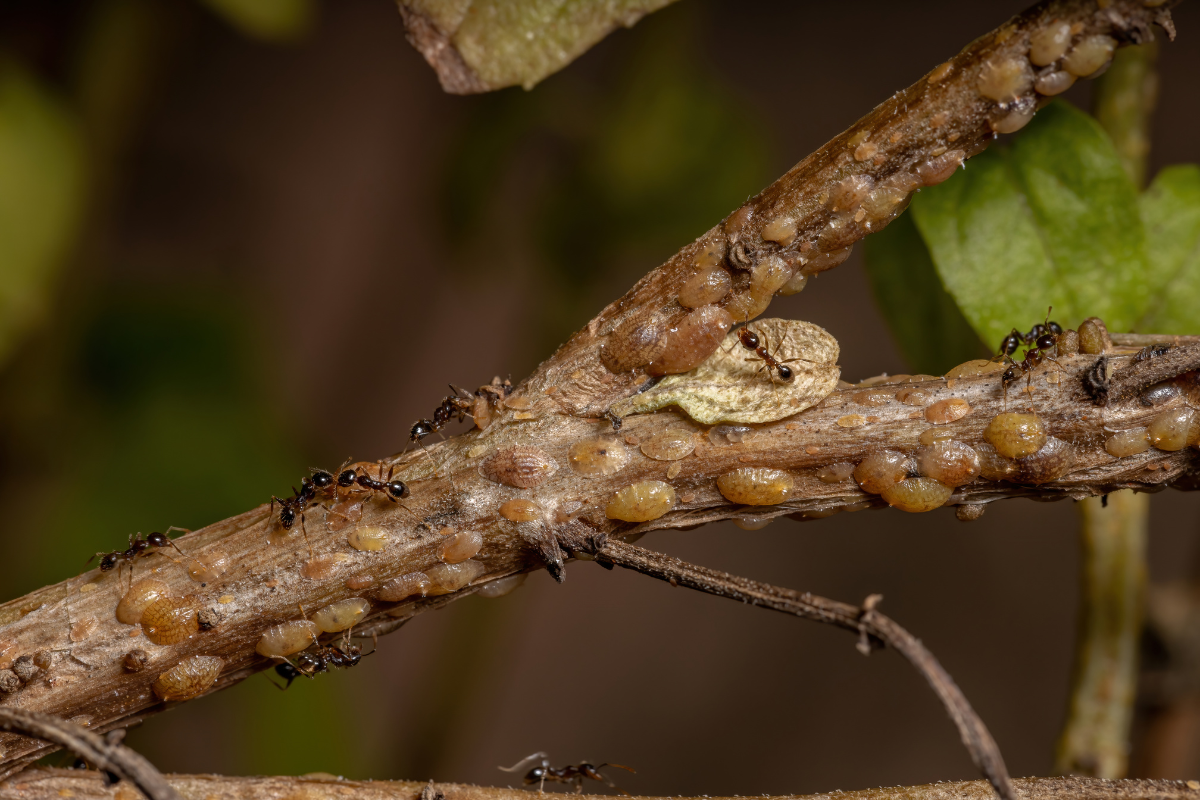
35,784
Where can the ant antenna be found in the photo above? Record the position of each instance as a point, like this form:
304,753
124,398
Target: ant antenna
517,767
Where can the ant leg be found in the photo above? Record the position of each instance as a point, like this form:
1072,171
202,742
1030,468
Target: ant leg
304,530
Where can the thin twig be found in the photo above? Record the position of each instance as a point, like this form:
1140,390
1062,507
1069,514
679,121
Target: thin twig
865,621
106,753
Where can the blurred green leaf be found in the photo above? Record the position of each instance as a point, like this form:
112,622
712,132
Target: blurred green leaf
1171,214
508,43
275,20
41,197
1054,220
932,333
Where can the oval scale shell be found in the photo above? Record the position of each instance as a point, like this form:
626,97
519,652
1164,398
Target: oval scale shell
459,546
602,455
670,445
342,615
170,620
189,678
405,586
286,638
140,596
447,578
756,486
641,502
520,467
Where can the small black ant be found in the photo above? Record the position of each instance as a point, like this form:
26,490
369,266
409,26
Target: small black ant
570,774
1040,340
321,659
137,547
454,407
292,507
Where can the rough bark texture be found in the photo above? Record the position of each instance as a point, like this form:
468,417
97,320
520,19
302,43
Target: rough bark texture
34,784
79,668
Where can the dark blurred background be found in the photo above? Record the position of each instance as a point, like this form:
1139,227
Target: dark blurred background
267,220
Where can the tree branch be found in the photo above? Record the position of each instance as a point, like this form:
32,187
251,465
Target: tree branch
521,484
51,784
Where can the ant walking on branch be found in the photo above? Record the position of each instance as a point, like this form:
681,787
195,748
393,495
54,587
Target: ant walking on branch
570,774
1040,341
137,547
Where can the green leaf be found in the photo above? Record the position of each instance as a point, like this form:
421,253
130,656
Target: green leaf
1171,214
932,333
506,43
41,196
1053,220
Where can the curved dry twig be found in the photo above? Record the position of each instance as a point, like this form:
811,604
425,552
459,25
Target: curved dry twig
107,754
871,626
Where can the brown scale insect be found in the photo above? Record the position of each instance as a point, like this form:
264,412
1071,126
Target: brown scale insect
570,774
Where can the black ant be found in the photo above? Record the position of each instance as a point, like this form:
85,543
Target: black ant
292,507
137,547
757,344
571,774
321,659
455,407
1040,340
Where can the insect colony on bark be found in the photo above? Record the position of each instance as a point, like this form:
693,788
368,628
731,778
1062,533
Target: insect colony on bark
733,281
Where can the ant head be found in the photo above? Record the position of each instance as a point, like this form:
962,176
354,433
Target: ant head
420,429
1011,374
1054,328
287,516
535,775
397,489
322,479
346,478
1046,341
108,561
156,539
785,372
